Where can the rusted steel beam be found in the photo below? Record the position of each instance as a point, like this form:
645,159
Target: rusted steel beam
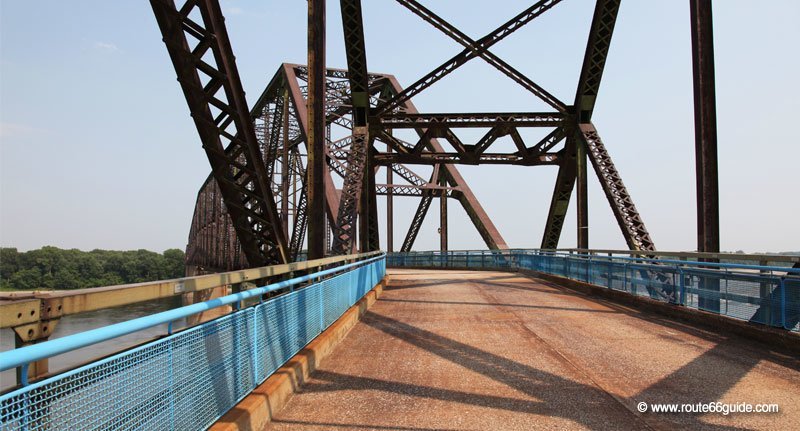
434,158
356,59
562,193
705,120
456,34
300,106
356,192
547,143
582,196
389,207
476,153
467,54
409,120
371,199
228,137
480,219
344,232
443,217
409,190
315,171
705,130
628,218
594,60
300,214
285,165
416,222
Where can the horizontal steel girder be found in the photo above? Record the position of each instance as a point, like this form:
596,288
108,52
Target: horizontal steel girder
431,158
457,120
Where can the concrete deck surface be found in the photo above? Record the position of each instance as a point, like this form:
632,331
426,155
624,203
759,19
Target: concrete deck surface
461,350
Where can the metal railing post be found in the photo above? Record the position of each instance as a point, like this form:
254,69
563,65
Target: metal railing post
625,278
322,303
588,270
172,383
782,288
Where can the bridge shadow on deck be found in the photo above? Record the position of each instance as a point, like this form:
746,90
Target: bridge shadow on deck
589,403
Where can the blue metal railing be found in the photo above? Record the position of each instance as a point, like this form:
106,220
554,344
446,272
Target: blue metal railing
768,295
189,379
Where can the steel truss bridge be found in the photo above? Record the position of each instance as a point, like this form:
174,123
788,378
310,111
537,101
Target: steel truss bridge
298,170
284,260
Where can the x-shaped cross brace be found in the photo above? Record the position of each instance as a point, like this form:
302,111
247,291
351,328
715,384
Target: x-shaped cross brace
474,49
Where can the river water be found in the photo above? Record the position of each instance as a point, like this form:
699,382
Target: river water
92,320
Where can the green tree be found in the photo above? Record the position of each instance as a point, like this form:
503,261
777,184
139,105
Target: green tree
9,264
26,279
174,263
55,268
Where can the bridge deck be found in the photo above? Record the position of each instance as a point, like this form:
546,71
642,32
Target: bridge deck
462,350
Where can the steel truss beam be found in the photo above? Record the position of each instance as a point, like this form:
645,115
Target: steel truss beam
345,228
269,115
217,104
369,107
300,214
594,61
409,120
559,203
292,73
467,54
473,154
416,221
416,191
435,158
478,216
213,244
625,212
316,129
356,191
485,54
369,232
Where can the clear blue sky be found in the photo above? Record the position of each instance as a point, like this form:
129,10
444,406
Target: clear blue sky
98,150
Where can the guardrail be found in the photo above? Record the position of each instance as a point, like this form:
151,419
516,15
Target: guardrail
34,315
742,258
768,295
19,308
186,380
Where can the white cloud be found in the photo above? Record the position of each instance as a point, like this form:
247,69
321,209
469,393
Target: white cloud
232,11
105,46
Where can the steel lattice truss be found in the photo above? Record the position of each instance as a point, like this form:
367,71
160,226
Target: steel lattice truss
253,208
281,135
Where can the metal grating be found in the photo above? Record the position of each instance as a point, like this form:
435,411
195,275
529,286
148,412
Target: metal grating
188,380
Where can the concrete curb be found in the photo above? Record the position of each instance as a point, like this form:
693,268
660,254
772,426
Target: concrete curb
256,410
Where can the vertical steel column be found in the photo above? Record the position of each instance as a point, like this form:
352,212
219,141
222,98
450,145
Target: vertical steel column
316,129
582,195
562,193
389,206
285,166
705,131
705,125
372,198
364,204
355,190
443,215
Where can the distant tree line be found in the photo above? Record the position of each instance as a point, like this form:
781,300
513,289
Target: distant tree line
55,268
